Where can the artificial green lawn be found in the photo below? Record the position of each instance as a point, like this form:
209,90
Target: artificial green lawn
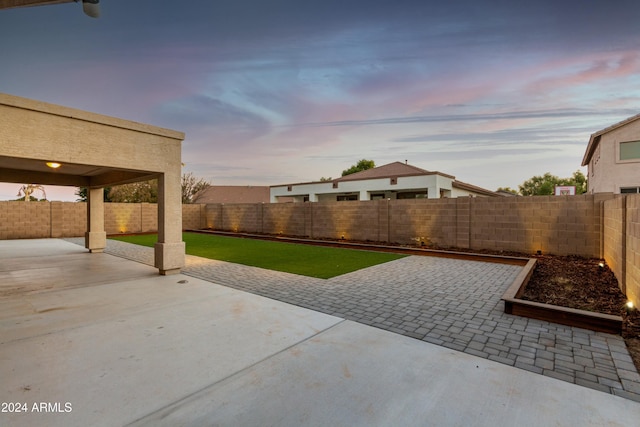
314,261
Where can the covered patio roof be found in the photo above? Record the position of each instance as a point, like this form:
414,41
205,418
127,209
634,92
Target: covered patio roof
94,151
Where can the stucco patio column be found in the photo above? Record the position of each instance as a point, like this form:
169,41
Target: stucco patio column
169,251
95,238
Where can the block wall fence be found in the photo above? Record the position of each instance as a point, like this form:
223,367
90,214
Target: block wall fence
595,225
621,235
559,225
33,220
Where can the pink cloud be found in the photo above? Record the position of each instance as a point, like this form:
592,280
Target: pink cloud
581,70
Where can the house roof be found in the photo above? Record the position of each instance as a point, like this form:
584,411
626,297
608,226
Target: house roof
390,170
398,169
475,189
233,194
595,138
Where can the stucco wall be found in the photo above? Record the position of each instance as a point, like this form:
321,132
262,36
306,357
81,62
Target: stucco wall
326,192
607,173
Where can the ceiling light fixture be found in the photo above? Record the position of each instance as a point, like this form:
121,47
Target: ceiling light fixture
91,7
53,165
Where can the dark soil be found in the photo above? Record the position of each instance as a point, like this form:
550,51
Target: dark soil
575,282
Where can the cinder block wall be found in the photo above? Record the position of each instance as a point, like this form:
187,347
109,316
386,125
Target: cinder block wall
245,217
149,217
632,257
122,218
614,236
569,225
289,219
213,216
24,220
193,217
32,220
352,220
430,221
562,225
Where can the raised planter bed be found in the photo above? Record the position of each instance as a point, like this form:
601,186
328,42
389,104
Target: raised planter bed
553,313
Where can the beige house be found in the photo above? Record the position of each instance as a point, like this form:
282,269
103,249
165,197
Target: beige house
613,158
392,181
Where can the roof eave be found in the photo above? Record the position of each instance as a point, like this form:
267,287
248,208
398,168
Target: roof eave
591,148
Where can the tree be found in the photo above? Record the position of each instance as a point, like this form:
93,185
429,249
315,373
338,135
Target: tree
81,192
27,190
146,191
545,185
191,186
323,179
508,190
362,165
578,180
137,192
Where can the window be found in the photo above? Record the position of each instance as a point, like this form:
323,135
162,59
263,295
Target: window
347,197
629,190
630,150
412,195
377,196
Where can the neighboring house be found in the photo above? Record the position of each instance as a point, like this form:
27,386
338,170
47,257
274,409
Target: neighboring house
393,181
506,193
233,194
613,158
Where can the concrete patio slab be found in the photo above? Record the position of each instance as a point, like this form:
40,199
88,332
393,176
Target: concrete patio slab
32,266
140,348
119,350
355,375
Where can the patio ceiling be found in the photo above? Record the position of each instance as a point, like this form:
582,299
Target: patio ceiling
20,170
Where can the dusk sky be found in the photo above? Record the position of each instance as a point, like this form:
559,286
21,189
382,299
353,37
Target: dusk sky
282,91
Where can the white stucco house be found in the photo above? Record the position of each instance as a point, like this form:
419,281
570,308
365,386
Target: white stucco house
613,158
392,181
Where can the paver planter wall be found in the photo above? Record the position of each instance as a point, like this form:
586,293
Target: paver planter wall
553,313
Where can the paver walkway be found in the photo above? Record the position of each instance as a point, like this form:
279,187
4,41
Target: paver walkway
452,303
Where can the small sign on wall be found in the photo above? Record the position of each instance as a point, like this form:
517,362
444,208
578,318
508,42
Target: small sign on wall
565,190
